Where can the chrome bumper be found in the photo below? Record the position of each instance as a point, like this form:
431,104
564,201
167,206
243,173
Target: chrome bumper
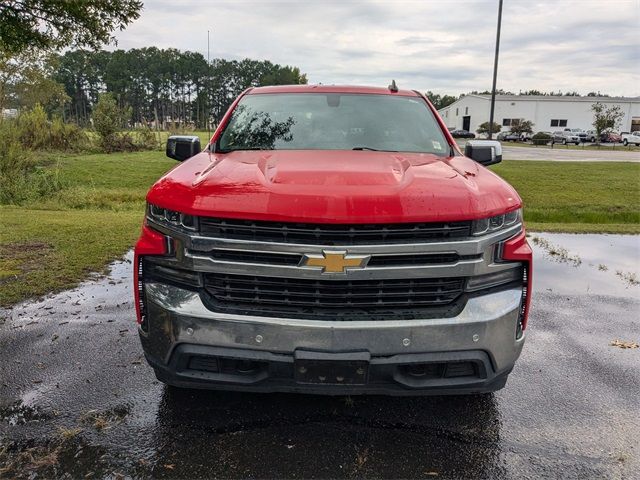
178,323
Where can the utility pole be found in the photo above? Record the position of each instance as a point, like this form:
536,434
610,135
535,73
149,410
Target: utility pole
207,108
495,71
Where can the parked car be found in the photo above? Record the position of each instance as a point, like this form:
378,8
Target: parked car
633,137
298,255
525,136
508,137
462,134
564,137
591,136
610,137
584,137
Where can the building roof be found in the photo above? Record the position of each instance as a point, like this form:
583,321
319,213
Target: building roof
560,98
548,98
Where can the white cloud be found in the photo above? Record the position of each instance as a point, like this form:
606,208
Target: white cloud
444,46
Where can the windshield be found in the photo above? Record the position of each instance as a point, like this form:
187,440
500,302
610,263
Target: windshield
313,121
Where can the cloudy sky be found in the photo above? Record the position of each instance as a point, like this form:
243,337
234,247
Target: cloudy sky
444,46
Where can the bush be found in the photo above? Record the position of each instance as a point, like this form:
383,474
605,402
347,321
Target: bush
35,131
541,138
21,178
67,137
109,119
483,128
147,139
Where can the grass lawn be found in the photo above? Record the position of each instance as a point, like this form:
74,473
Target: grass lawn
54,243
577,196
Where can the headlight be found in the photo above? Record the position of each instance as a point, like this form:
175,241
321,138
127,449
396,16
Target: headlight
171,218
499,222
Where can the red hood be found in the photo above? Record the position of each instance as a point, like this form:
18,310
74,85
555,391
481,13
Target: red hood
334,187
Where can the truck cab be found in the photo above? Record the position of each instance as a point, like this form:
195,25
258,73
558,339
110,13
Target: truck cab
333,240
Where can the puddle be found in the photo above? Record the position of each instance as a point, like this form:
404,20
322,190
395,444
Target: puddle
587,263
19,414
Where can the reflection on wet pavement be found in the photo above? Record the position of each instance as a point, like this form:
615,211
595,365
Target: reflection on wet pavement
76,396
603,264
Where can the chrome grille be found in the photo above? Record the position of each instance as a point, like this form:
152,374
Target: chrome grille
241,256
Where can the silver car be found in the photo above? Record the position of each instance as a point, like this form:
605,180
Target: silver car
565,138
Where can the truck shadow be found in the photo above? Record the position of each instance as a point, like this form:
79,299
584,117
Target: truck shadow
223,434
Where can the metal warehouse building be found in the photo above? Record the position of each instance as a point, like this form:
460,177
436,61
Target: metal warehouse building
548,113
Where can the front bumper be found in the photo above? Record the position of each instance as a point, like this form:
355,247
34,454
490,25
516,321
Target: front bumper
479,344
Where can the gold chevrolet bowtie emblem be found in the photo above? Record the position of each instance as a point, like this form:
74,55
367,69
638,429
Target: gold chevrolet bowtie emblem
334,262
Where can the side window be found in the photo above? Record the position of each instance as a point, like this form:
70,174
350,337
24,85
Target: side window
562,123
554,123
466,110
456,111
506,122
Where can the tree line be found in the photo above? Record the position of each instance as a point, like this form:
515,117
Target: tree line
167,87
162,85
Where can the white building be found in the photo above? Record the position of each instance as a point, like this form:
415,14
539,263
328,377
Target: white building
548,113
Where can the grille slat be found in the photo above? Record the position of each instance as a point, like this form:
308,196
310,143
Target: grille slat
333,234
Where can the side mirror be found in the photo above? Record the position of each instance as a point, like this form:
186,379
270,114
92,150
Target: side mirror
181,147
485,152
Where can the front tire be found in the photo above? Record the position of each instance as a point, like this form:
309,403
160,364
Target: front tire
625,142
564,142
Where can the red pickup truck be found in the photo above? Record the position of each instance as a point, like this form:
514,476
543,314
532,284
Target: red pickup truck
333,240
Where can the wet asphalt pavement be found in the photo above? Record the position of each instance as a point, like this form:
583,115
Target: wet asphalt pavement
561,153
77,398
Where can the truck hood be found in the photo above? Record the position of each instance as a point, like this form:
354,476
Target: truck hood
333,186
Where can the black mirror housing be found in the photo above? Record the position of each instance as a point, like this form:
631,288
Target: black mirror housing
485,152
182,147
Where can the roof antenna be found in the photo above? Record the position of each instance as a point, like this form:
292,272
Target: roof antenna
393,87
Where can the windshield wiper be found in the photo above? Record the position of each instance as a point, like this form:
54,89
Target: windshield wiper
227,150
372,149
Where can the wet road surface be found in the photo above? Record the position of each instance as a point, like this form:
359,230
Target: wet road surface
77,399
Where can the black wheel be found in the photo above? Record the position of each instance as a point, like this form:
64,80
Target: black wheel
564,142
625,142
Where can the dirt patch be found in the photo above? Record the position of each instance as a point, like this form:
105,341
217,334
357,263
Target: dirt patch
623,344
557,253
106,419
61,457
630,278
18,259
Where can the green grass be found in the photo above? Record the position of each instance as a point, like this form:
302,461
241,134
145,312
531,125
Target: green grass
54,243
42,251
575,196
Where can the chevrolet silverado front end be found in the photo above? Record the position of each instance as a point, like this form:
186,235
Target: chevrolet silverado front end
333,240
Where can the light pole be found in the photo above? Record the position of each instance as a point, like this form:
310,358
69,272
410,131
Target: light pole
495,71
207,105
